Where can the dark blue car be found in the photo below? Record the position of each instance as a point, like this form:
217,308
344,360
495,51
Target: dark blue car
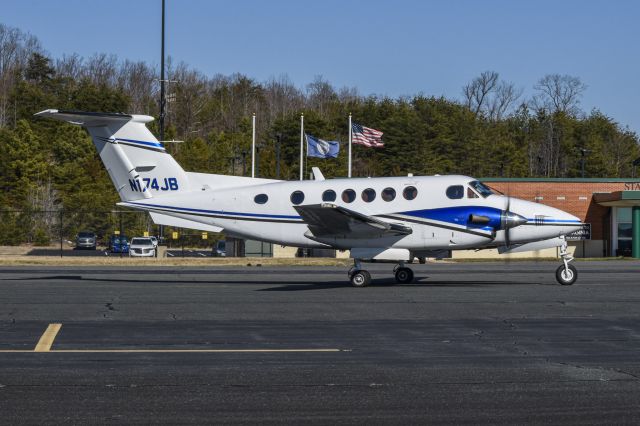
118,244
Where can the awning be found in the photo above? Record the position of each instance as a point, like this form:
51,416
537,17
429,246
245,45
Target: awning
618,198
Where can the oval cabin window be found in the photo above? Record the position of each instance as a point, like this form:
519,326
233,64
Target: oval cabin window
348,195
388,194
329,195
261,198
410,193
368,195
297,197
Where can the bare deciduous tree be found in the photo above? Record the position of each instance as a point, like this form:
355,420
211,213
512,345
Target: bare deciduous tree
489,96
15,49
320,94
559,93
478,89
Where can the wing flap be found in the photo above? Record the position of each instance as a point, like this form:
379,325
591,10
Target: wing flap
329,220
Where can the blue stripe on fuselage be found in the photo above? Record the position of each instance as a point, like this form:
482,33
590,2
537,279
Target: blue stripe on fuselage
459,215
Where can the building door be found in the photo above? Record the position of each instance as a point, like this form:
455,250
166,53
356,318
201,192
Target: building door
623,230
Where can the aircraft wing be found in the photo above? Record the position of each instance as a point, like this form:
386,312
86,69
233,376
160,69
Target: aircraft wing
329,220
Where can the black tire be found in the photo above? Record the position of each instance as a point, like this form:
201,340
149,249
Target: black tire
360,278
566,277
404,275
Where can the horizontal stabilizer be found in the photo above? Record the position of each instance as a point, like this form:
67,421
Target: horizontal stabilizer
163,219
93,119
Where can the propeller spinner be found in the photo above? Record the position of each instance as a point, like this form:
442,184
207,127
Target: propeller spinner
509,220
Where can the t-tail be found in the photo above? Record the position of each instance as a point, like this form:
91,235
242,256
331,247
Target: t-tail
137,163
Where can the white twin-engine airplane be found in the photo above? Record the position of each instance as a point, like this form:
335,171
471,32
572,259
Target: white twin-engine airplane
379,219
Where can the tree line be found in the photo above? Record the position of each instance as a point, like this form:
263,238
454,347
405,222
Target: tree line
489,130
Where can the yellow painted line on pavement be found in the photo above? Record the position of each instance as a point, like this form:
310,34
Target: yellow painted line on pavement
174,350
47,338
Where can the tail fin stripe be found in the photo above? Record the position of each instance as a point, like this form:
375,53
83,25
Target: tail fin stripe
152,146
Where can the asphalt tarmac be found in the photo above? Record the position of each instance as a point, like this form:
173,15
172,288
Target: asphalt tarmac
477,343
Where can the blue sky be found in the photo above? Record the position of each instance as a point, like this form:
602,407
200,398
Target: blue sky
400,47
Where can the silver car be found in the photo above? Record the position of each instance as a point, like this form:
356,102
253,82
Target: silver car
86,240
142,247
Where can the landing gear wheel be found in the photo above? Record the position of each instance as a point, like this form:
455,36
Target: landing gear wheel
360,278
566,276
404,275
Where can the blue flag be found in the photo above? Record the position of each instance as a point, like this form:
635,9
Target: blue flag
320,148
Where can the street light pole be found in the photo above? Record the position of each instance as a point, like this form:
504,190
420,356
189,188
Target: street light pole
278,140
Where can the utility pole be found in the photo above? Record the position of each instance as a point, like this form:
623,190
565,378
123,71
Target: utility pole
162,102
162,99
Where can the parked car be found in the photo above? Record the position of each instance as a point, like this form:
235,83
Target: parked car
155,241
220,249
142,247
118,244
86,240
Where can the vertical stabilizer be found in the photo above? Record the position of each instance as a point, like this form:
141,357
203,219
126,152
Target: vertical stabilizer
138,165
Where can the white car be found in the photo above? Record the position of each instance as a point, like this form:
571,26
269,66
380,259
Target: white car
155,241
142,247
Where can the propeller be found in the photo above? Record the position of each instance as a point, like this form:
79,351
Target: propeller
509,220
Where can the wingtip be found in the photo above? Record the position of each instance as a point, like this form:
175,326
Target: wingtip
46,112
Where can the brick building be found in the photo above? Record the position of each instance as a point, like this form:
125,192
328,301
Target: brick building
610,206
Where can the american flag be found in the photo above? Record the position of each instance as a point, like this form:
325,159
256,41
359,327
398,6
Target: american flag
366,136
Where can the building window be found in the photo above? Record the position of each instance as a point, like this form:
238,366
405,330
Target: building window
297,197
625,231
455,192
329,195
410,193
388,194
368,195
348,195
261,198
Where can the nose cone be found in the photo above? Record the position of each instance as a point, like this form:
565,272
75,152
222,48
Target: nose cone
542,221
511,220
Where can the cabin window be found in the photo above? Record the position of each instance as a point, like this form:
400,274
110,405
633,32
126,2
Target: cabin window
348,195
455,192
388,194
410,193
261,198
329,195
297,197
368,195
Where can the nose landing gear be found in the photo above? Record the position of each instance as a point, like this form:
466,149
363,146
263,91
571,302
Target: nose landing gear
566,274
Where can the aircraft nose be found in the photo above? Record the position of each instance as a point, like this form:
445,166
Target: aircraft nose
565,222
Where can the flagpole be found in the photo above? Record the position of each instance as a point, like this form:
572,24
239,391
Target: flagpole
301,146
253,146
349,168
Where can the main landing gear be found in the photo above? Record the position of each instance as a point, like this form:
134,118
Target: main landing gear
361,278
566,274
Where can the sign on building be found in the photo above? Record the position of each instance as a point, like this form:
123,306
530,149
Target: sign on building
581,234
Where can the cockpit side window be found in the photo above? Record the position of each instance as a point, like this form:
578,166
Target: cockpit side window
481,188
471,193
455,192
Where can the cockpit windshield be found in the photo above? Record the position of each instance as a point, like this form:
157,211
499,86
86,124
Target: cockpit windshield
481,188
